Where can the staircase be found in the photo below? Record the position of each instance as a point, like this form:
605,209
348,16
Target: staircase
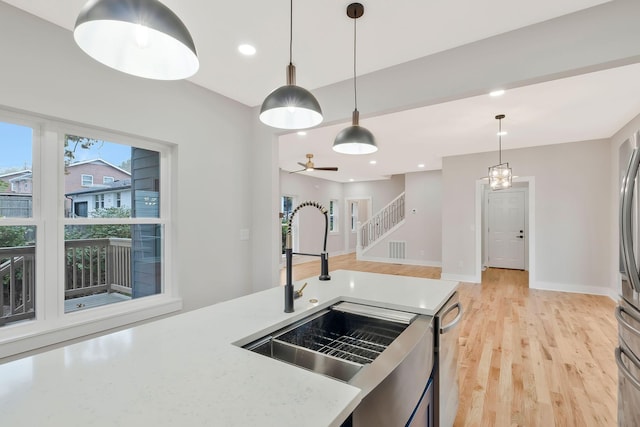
380,225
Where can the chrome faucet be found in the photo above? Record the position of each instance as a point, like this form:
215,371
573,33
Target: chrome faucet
324,256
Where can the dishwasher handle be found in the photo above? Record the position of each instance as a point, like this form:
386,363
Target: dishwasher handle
623,368
455,321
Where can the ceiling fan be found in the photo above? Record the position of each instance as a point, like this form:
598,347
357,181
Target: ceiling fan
309,166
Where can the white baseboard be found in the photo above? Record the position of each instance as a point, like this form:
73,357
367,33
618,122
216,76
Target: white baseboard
400,261
460,278
578,289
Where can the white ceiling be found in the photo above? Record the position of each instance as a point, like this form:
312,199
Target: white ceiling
390,32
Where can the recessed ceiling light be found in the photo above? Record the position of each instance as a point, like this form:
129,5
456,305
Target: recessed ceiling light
302,133
498,92
372,162
247,49
502,133
421,165
351,179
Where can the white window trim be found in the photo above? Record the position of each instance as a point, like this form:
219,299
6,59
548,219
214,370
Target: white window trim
108,179
51,324
82,177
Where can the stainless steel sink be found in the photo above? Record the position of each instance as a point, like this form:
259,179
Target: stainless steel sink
387,354
336,342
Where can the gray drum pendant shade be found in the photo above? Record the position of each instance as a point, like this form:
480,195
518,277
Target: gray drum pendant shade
290,106
139,37
355,139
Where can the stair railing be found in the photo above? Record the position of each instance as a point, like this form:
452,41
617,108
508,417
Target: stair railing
381,223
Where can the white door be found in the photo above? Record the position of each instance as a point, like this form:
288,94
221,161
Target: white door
506,219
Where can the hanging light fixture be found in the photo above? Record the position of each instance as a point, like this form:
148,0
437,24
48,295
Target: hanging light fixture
500,175
139,37
355,139
291,106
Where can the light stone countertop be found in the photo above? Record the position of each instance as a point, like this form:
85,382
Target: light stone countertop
186,370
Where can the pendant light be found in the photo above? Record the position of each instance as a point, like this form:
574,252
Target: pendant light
355,139
500,175
290,106
139,37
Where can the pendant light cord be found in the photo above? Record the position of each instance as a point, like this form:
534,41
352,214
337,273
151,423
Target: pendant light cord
291,32
355,87
499,141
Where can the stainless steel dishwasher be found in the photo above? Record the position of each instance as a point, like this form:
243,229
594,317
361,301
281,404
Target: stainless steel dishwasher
445,379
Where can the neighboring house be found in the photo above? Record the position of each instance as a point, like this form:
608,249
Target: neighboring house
15,194
95,184
20,182
113,195
92,173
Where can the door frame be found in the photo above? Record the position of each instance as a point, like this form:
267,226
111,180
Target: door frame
486,219
480,183
347,219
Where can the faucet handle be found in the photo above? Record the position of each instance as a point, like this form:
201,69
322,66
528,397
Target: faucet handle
298,293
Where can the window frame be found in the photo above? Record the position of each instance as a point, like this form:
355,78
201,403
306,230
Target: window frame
108,179
82,179
51,324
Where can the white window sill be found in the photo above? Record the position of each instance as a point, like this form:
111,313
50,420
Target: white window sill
35,334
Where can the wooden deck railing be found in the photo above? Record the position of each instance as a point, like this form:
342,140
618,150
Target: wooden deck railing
92,266
17,284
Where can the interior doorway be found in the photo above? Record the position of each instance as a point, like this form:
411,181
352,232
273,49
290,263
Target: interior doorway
513,211
358,210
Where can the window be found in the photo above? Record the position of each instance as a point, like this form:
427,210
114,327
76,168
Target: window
17,225
113,256
286,208
99,201
86,180
103,250
108,179
354,216
333,216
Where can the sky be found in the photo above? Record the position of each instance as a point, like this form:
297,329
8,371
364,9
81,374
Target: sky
16,149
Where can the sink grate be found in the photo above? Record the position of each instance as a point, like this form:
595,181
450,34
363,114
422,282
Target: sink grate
360,345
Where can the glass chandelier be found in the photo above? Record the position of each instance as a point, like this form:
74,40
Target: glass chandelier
500,175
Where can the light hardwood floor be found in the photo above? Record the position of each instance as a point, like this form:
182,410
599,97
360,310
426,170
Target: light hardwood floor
527,357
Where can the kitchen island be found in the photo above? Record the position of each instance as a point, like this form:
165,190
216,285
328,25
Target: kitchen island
190,370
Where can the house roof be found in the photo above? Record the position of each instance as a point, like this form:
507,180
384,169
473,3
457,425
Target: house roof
85,162
103,188
16,173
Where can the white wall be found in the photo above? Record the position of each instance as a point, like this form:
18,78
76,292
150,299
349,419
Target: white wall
422,230
44,72
384,190
572,213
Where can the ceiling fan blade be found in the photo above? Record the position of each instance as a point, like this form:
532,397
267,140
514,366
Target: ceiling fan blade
335,169
301,170
303,165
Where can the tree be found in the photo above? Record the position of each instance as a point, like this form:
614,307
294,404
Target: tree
102,231
71,145
13,236
126,165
